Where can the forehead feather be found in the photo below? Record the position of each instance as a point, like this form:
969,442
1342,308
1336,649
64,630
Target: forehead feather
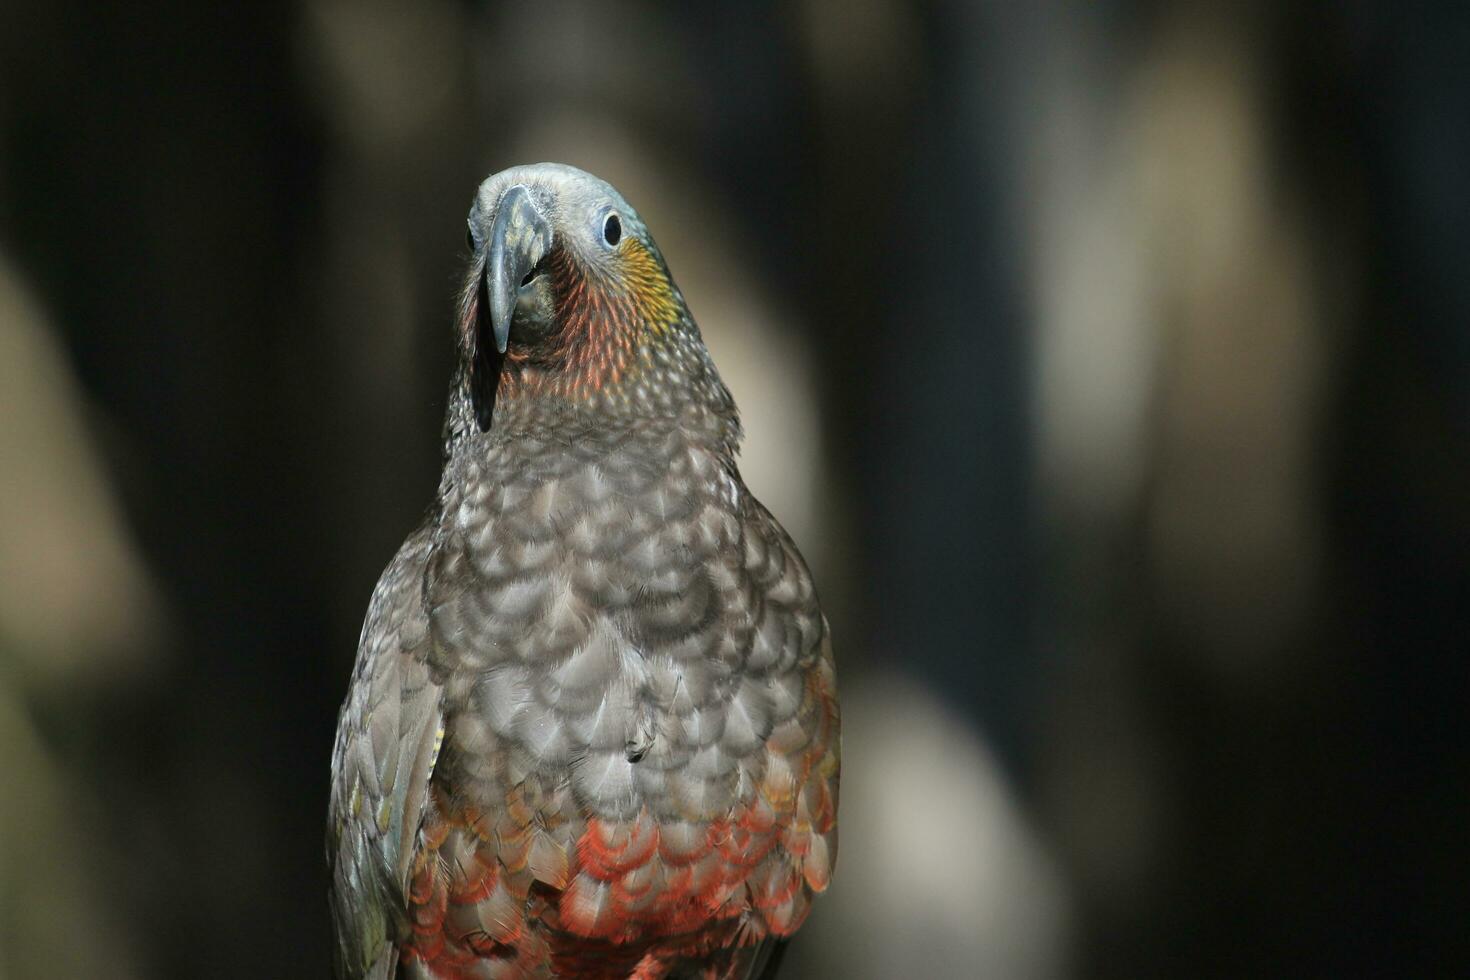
559,191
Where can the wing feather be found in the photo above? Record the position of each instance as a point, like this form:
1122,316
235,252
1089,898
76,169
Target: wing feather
388,739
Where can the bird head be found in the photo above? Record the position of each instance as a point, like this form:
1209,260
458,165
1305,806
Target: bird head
568,297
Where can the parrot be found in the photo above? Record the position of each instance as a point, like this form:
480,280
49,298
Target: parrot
592,729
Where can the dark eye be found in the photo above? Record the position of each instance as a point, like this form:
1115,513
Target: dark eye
469,239
612,229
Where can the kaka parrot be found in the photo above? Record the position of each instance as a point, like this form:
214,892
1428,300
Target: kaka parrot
592,729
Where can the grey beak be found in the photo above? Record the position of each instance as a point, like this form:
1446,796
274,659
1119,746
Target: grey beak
520,239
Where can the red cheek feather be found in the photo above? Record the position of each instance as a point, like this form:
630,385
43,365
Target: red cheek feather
602,324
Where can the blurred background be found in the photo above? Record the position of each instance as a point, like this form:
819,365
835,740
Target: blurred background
1110,362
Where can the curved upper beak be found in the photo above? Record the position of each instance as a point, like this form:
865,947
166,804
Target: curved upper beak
519,240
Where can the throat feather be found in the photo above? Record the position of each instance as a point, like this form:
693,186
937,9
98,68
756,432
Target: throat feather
606,326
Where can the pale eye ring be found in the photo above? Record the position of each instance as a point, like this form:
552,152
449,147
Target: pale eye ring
612,228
